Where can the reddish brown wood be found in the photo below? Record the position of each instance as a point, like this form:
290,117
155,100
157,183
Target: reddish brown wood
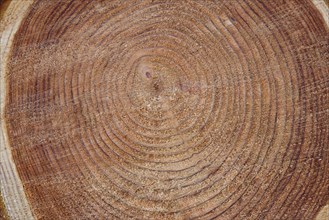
170,109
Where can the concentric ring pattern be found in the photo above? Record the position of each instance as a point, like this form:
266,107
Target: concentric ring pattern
171,109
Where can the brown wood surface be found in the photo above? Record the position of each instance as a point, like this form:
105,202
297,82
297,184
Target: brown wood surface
166,109
3,211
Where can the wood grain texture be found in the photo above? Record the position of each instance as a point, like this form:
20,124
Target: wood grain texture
323,7
167,109
324,213
11,188
3,211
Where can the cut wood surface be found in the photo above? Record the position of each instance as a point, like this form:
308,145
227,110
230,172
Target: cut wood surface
161,109
14,200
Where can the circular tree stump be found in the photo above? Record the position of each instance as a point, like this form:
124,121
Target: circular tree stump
164,109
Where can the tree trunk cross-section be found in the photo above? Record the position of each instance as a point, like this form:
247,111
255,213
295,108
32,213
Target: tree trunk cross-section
164,109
